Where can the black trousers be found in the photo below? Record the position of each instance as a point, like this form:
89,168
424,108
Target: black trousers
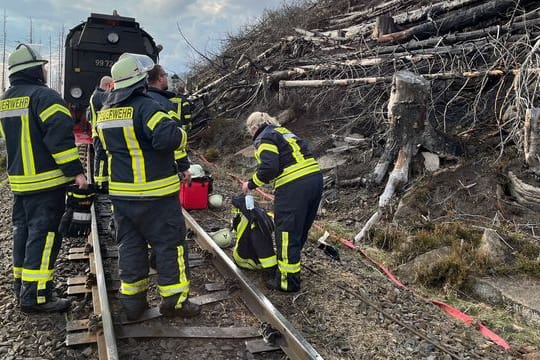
101,168
36,243
160,224
295,208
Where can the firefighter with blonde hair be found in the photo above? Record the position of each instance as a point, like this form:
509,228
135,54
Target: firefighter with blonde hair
285,160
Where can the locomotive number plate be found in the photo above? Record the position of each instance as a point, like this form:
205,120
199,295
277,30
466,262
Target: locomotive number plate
103,63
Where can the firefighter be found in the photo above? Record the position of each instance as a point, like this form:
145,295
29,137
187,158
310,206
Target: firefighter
140,139
100,157
183,106
157,90
285,160
42,159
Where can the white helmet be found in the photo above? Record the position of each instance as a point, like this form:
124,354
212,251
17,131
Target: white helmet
130,69
24,57
215,201
196,171
223,238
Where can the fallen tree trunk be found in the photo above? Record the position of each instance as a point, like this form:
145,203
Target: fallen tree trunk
407,114
525,194
378,79
465,18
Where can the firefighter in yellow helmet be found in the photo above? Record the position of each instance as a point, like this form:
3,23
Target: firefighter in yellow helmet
42,159
286,161
140,139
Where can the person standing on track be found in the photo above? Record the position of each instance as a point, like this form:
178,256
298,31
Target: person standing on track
101,175
157,90
42,159
140,139
285,159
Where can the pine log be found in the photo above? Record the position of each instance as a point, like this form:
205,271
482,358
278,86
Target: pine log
525,194
407,115
368,13
469,17
378,79
531,139
424,12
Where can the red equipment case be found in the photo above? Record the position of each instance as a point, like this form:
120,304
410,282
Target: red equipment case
195,195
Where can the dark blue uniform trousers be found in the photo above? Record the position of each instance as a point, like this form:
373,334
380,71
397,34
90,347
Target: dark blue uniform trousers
160,224
36,243
295,208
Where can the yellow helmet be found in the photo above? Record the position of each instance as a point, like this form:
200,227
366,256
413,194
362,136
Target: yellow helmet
24,57
130,69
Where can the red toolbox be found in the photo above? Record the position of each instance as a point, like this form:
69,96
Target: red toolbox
195,195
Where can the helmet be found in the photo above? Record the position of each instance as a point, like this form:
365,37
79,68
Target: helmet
215,201
130,69
223,238
196,171
24,57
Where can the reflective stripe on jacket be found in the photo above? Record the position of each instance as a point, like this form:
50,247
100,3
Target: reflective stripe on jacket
183,108
140,139
164,98
38,129
281,156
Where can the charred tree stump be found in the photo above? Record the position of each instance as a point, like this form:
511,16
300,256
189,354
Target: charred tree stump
531,139
407,115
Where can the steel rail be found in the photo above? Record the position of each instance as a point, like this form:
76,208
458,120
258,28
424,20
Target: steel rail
111,349
290,341
108,338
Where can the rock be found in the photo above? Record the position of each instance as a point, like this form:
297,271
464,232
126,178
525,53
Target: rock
424,262
492,247
518,293
330,161
431,161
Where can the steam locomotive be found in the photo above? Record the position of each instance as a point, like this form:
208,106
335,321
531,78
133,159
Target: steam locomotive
91,48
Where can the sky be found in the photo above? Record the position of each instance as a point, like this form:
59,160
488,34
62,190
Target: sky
205,23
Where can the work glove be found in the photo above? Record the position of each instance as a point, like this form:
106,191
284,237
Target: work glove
76,220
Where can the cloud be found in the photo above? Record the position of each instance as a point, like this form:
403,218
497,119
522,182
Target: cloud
205,23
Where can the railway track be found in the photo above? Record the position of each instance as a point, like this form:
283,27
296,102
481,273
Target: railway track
239,321
265,329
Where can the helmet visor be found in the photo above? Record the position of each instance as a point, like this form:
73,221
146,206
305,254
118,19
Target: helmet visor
144,63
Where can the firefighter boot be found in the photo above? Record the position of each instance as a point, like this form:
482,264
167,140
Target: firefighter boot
293,283
269,273
168,307
17,289
134,305
29,296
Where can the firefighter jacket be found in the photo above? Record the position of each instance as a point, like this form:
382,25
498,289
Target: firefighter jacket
96,103
140,139
38,129
183,108
164,98
281,156
101,173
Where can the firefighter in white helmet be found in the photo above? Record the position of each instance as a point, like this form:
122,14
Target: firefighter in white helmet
41,160
140,139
